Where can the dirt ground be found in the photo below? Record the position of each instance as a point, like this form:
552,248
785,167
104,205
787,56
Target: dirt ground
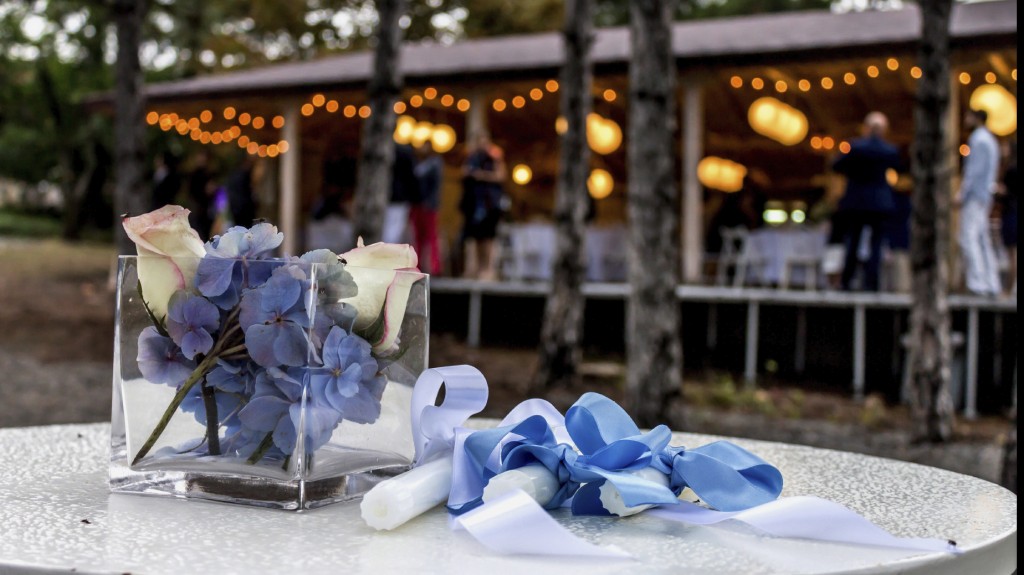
56,348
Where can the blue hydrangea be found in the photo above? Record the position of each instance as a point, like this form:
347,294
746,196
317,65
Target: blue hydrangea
191,321
161,361
232,385
275,320
231,263
276,408
349,380
330,284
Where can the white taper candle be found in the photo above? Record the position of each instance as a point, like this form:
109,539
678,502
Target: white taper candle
393,502
611,499
534,479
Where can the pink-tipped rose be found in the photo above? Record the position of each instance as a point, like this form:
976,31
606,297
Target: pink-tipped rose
169,252
381,288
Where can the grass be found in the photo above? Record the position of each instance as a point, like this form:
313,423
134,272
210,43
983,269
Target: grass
28,224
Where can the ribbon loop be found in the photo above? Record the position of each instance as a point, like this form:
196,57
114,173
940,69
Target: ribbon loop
433,427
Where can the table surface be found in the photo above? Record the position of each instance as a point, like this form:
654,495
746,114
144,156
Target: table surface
56,514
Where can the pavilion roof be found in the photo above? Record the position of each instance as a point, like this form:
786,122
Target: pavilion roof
742,40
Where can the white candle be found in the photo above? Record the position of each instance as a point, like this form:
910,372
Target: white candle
393,502
612,501
534,479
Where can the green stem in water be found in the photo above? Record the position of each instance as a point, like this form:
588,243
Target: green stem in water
264,447
200,371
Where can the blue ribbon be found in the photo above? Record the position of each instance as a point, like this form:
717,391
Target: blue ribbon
611,447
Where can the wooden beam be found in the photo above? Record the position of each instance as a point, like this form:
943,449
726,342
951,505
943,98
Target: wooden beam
291,185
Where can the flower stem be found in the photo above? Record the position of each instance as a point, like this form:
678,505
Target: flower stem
200,371
212,423
268,441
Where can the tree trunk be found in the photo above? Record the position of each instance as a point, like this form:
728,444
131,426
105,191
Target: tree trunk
129,127
377,156
931,402
562,332
654,354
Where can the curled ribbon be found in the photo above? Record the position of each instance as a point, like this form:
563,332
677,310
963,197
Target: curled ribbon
596,444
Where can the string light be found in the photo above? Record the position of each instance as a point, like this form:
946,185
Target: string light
844,147
193,123
915,72
804,85
278,121
262,151
205,116
499,105
609,95
872,71
350,111
828,143
522,174
518,102
244,119
430,93
892,64
850,78
283,146
195,134
319,100
272,150
463,105
364,112
416,101
252,147
257,123
307,110
243,141
826,83
990,77
781,87
965,78
757,83
399,108
204,138
736,82
152,118
216,138
551,86
229,113
816,142
965,150
235,131
447,100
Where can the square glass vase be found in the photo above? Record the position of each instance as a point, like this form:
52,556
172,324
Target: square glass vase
270,394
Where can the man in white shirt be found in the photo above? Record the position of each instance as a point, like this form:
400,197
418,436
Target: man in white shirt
977,186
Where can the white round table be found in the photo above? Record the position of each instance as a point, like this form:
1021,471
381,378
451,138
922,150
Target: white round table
56,514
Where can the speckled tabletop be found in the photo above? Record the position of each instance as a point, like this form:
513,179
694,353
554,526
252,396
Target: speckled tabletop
56,515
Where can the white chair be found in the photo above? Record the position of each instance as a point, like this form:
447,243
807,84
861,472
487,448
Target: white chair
806,253
734,241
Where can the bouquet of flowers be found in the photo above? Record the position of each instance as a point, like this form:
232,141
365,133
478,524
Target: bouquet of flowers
269,354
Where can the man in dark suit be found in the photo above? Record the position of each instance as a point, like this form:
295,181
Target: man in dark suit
868,202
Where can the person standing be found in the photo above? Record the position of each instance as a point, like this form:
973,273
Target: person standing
423,214
1008,200
166,180
483,176
868,202
241,200
405,190
977,186
200,193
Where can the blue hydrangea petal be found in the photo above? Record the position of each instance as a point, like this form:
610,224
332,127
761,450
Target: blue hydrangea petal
348,382
259,340
285,434
160,361
280,293
263,238
331,356
290,344
214,275
200,312
364,407
264,413
251,310
196,342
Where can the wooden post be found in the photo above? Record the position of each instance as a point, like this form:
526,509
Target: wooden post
693,205
290,174
859,344
750,358
971,377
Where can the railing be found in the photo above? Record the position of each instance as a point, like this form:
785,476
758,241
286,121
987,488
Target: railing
754,298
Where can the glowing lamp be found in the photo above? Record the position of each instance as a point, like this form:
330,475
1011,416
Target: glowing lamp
603,134
1001,106
522,174
600,184
561,125
798,216
421,134
892,176
442,139
778,121
404,127
775,214
721,174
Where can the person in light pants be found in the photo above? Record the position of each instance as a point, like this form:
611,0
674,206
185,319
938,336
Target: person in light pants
977,186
